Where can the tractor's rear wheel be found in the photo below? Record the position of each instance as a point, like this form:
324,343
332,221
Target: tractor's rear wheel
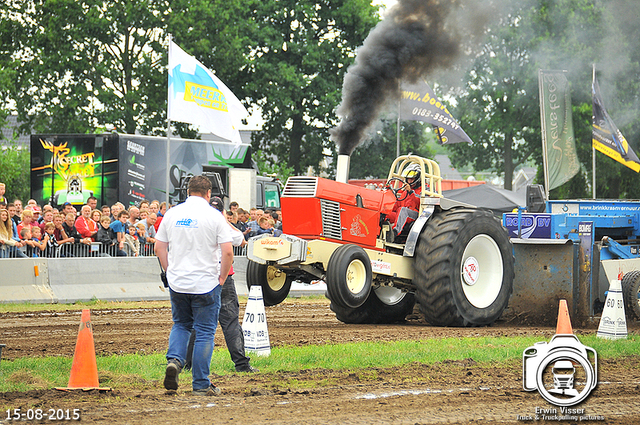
275,282
384,305
631,293
464,268
349,276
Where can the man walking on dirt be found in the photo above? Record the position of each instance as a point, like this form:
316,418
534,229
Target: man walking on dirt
229,310
194,247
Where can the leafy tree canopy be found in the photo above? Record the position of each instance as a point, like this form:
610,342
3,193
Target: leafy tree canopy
498,103
13,162
70,66
300,53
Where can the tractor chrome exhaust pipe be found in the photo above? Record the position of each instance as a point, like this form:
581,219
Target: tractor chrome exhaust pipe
342,170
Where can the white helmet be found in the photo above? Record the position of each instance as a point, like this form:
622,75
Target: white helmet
412,172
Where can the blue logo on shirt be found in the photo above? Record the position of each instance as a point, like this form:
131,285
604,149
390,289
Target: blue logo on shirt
187,222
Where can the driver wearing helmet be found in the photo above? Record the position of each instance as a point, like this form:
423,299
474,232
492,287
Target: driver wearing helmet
406,208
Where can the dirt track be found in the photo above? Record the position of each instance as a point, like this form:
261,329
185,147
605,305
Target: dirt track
453,392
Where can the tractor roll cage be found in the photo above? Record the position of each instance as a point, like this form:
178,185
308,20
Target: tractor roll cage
431,180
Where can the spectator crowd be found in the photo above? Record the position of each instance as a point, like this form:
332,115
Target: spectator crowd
45,231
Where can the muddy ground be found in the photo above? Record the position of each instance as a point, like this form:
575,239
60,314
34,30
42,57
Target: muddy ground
447,392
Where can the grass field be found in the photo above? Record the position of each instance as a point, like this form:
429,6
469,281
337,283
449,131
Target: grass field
134,370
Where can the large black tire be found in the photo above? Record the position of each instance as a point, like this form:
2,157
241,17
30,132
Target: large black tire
349,276
630,289
275,283
377,309
464,268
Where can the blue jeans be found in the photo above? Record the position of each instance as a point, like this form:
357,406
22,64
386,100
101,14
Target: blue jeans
230,324
200,312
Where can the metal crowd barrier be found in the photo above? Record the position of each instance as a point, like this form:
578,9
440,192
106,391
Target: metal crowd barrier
240,251
96,249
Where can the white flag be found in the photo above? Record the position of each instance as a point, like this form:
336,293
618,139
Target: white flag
197,96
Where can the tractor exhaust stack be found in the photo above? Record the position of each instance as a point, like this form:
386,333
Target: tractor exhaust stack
342,170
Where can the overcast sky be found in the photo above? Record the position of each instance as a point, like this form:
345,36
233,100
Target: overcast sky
388,3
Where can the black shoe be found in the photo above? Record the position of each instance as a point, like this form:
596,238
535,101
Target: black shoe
171,375
207,392
248,368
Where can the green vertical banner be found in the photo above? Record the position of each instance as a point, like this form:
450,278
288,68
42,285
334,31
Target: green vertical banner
558,143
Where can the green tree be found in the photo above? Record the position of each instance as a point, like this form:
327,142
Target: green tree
8,64
85,63
499,106
299,54
13,162
272,167
81,64
497,94
373,158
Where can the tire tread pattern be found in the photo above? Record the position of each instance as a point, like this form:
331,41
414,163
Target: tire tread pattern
435,261
630,286
374,311
257,275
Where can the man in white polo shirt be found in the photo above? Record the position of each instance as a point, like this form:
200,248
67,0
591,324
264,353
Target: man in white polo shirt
194,247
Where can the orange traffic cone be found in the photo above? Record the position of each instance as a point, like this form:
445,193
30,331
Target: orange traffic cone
84,370
564,321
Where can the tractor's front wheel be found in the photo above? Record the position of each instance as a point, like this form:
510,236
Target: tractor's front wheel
349,276
464,268
275,282
384,305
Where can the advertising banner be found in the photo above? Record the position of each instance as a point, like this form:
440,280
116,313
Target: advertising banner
72,168
607,138
531,226
143,164
419,103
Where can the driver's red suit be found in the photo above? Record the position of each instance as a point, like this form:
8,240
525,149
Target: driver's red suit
404,211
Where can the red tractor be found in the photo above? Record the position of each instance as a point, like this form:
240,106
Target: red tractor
455,260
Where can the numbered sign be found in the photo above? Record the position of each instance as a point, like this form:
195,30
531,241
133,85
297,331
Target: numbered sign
254,324
612,322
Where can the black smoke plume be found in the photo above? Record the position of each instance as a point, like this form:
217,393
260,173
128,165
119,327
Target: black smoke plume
415,38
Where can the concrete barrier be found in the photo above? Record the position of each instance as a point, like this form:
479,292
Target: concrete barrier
106,278
25,280
240,276
67,280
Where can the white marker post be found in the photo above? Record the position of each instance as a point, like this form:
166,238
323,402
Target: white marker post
254,324
613,324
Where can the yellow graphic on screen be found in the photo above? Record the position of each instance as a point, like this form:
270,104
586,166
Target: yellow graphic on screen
65,166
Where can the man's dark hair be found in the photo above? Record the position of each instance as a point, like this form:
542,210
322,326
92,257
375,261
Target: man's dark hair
233,204
217,203
92,198
123,212
199,185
